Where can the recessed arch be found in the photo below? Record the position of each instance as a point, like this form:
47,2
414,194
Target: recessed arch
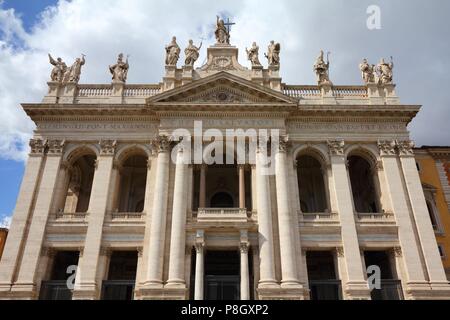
127,151
73,152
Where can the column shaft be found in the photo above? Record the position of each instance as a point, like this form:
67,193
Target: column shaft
178,232
241,186
245,283
287,246
199,271
16,235
32,250
265,234
157,226
202,193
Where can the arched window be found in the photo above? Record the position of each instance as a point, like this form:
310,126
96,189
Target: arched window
79,184
311,186
363,186
133,180
222,200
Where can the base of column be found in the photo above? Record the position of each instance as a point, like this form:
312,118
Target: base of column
357,291
25,291
5,287
283,293
161,294
151,285
426,291
85,292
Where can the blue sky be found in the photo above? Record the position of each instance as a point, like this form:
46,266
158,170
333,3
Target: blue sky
11,171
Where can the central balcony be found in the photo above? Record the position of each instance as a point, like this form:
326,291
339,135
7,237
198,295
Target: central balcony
235,215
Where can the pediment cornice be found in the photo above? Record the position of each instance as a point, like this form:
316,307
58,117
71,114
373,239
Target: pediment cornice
223,89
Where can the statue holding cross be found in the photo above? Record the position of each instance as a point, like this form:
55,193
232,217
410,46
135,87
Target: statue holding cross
222,32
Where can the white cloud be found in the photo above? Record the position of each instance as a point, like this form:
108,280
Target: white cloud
5,221
101,29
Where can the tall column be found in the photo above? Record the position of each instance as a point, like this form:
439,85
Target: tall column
202,194
245,283
87,287
178,232
406,232
31,253
157,227
287,246
356,286
265,234
199,271
24,204
419,209
241,169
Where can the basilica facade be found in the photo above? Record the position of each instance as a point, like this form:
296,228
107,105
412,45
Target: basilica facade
111,207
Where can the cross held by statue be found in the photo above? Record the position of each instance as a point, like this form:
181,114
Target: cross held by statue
228,25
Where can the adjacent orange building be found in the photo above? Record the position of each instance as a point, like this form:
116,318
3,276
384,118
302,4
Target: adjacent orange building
3,235
433,163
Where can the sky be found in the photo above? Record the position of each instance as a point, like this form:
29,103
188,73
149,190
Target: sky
414,32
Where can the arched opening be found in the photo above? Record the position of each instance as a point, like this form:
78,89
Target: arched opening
79,186
132,184
222,200
311,185
365,196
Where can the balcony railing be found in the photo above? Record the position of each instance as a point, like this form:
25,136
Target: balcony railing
389,290
325,289
127,215
222,214
55,290
118,289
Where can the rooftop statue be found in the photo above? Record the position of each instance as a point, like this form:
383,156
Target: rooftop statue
321,68
119,70
192,53
58,70
384,71
252,54
221,32
73,73
172,52
367,71
273,53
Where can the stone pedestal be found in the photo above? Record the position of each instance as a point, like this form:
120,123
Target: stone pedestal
187,75
69,93
117,92
374,95
257,74
169,78
54,91
327,93
274,77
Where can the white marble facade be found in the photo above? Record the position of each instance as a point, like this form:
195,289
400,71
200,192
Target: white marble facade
91,131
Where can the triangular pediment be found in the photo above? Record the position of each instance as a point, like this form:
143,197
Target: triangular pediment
221,88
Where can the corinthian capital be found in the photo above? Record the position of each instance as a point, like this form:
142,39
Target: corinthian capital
405,147
386,147
283,144
336,147
55,147
37,146
108,147
161,143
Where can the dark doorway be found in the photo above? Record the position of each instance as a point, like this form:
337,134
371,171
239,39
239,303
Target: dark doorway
323,282
121,276
222,280
391,288
56,288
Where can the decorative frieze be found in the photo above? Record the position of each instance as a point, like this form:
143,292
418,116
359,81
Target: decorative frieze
386,147
336,147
